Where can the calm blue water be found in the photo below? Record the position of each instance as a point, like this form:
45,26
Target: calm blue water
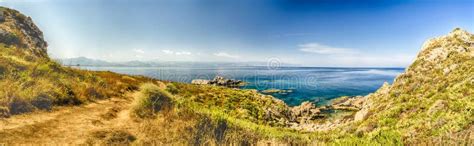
307,83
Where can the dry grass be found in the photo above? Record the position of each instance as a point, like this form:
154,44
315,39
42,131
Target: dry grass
110,137
32,83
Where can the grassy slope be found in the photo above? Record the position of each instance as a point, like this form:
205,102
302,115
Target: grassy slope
29,82
432,101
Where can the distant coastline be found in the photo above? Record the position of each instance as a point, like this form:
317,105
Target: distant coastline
316,84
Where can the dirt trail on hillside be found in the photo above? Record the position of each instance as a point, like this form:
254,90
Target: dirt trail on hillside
68,124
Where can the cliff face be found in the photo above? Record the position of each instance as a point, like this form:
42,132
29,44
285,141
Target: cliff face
433,98
19,30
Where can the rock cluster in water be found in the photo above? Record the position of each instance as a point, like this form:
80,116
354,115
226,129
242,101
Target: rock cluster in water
277,91
219,81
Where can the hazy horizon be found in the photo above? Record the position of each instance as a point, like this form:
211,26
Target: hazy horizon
156,63
308,33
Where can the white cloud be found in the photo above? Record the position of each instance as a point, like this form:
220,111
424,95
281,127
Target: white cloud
168,51
223,54
183,53
323,49
139,51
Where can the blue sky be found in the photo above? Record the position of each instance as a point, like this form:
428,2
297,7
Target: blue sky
311,33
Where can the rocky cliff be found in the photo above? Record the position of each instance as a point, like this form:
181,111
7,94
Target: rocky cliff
19,30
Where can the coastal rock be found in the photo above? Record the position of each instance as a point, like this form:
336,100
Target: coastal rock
219,81
348,103
276,91
362,114
200,82
367,102
305,112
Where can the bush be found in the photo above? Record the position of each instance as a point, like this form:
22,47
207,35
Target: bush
8,38
149,100
172,88
92,93
43,102
19,106
68,97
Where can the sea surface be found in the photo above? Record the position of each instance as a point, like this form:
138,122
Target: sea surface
316,84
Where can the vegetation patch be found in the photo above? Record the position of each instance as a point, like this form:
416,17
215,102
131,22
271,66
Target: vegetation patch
110,137
150,100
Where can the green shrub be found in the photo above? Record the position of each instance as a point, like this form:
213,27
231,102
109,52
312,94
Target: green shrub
171,88
43,102
19,105
149,100
8,38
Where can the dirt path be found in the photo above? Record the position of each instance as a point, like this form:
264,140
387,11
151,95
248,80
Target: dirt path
68,124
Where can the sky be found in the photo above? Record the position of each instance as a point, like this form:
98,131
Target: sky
326,33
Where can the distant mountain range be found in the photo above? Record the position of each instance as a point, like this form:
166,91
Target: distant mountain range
84,61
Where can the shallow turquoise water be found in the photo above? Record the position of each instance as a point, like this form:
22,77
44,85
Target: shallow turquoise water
317,84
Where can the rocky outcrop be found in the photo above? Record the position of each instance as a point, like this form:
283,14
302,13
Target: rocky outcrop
200,82
219,81
19,30
365,108
305,112
348,103
276,91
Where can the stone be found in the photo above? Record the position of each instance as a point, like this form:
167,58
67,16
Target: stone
362,114
200,82
348,103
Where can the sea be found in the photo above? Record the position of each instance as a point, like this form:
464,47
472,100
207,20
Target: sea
314,84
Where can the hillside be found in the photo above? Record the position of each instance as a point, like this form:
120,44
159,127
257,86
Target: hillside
44,102
433,99
30,80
